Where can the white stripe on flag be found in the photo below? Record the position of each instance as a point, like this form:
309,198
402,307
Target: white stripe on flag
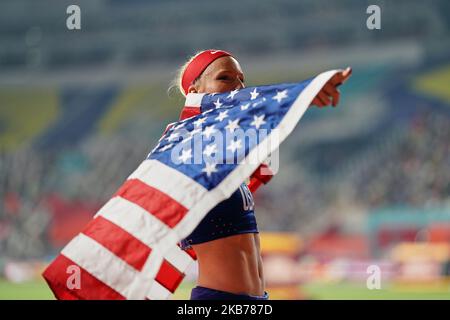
151,269
179,258
105,266
158,292
194,99
175,184
139,223
148,229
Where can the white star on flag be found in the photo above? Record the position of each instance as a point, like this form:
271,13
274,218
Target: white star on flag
258,121
209,130
280,95
254,94
199,122
218,104
222,115
232,93
186,155
232,125
209,168
245,106
210,149
173,136
234,145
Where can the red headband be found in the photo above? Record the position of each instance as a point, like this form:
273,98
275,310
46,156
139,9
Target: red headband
198,65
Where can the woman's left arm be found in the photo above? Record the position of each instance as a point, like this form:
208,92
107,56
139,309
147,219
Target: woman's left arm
328,95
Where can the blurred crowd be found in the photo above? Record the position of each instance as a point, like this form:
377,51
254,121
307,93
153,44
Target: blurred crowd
408,167
415,171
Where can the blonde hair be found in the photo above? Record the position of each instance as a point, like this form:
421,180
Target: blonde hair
176,83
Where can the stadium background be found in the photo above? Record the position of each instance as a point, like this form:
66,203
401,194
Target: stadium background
367,183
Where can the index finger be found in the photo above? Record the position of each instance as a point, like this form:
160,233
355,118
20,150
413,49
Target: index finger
343,76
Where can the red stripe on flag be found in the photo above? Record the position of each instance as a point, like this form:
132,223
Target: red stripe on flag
159,204
169,276
189,111
190,252
118,241
57,276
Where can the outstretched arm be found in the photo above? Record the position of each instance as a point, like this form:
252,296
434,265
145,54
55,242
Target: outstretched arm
328,95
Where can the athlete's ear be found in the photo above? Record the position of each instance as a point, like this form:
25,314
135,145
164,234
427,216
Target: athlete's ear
192,89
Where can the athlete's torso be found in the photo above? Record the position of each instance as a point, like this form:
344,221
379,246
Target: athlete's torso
227,246
232,216
232,264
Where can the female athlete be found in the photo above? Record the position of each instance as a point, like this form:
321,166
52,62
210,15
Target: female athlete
226,241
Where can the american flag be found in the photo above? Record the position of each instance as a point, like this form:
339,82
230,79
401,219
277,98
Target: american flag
130,250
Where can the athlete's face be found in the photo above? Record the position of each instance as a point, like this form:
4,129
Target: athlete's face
222,75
